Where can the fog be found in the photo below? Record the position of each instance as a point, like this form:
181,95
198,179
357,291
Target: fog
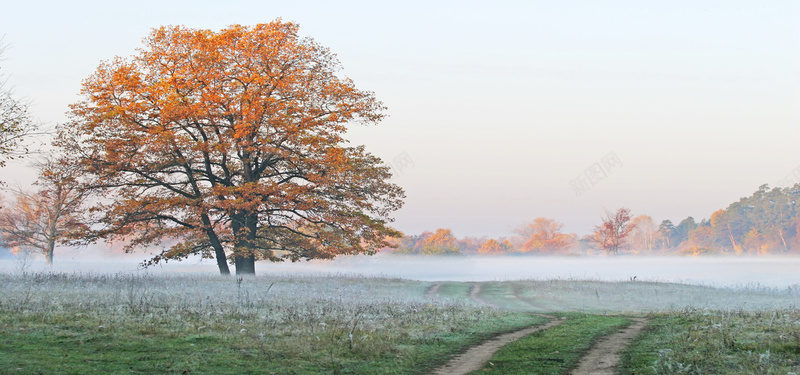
767,271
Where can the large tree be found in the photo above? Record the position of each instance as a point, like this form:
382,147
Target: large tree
232,143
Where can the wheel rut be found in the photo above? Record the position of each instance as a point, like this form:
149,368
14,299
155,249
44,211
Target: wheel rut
433,290
603,358
475,295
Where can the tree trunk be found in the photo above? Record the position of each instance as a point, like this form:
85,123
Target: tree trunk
244,230
219,251
222,262
48,254
245,265
219,254
785,246
736,247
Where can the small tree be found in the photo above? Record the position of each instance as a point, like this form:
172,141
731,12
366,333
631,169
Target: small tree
38,221
15,123
610,235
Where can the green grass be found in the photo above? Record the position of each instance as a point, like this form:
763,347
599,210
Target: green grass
114,324
555,350
36,345
718,342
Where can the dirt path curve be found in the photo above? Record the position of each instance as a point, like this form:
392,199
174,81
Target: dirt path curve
433,290
603,358
474,358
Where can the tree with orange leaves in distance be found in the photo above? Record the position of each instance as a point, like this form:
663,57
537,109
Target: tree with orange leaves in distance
495,247
543,236
441,242
610,235
231,143
52,215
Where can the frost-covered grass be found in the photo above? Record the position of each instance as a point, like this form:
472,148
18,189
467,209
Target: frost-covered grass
137,323
718,342
98,323
633,296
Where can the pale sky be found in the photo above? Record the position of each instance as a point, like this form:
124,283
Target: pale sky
496,110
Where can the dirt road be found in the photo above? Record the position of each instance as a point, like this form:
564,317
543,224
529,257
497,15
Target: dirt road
604,357
474,358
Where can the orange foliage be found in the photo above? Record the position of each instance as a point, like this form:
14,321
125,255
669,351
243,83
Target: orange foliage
441,242
232,142
495,247
544,236
758,243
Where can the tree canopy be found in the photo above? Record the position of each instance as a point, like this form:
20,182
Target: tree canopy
231,142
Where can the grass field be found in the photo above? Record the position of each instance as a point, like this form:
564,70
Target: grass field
55,323
718,342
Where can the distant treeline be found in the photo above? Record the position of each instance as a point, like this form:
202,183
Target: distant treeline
767,222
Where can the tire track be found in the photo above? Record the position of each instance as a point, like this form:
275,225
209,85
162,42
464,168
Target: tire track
603,358
433,290
517,291
474,294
